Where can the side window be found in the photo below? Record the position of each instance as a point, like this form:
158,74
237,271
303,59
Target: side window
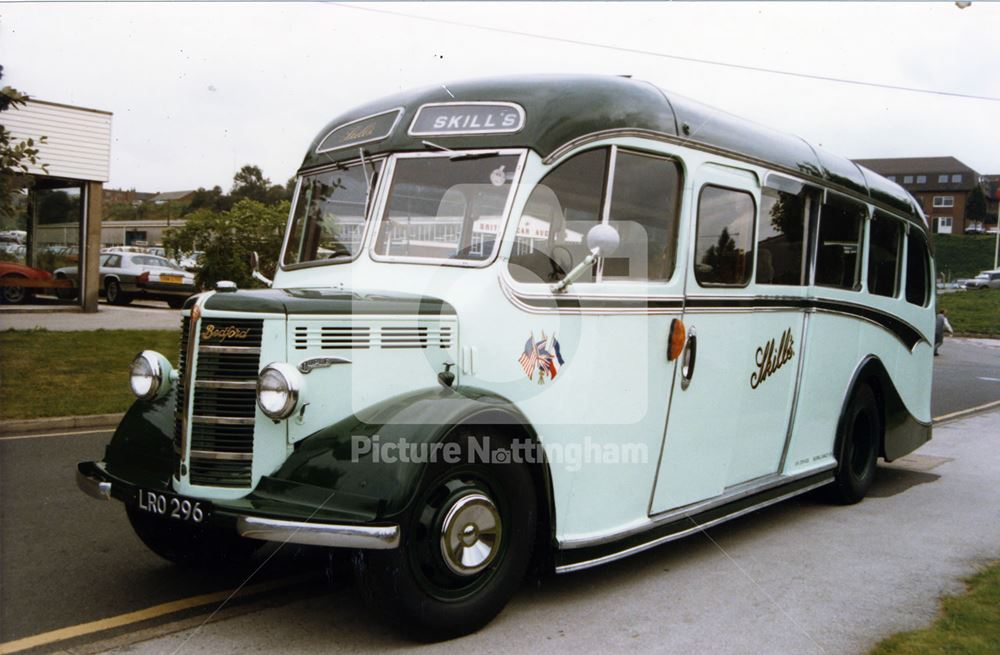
885,238
780,238
839,242
917,269
552,231
724,245
644,195
114,261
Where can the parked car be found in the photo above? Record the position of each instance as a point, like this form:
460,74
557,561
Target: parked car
12,272
191,261
129,275
985,280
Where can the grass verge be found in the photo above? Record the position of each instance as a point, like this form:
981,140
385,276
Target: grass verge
963,255
968,624
973,312
46,374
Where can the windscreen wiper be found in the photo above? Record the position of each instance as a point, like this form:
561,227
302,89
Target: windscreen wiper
455,155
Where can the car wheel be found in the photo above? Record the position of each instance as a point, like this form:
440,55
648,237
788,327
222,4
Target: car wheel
859,437
13,295
176,303
465,548
113,292
197,546
65,293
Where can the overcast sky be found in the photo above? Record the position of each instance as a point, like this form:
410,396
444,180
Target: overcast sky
198,90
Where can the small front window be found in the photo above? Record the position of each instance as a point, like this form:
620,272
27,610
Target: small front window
446,208
329,218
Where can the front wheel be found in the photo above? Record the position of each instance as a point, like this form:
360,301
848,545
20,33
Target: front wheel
465,550
859,438
197,546
175,303
13,295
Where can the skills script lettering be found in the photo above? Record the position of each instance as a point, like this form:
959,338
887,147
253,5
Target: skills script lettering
210,332
770,359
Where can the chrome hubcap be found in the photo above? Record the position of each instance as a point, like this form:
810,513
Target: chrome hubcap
470,534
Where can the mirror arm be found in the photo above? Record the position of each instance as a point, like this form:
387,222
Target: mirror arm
255,269
257,275
576,271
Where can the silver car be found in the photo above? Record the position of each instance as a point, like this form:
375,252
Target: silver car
985,280
129,275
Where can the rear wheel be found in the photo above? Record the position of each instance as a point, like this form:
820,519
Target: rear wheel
65,293
859,438
465,550
191,545
13,295
113,292
176,303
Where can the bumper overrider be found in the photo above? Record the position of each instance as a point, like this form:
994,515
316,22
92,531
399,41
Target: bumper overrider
94,480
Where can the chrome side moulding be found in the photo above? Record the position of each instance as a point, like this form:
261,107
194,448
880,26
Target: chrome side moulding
330,535
93,487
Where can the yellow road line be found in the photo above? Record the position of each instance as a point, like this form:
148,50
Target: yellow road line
153,612
971,410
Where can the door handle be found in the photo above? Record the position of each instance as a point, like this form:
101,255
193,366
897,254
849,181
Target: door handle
689,358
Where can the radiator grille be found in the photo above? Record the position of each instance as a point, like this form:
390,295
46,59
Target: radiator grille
224,405
181,395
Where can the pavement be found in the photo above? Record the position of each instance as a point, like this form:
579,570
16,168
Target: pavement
150,315
799,577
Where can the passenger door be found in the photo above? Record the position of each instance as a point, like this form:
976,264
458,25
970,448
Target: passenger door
744,311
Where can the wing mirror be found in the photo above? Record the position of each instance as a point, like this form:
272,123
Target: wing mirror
255,269
602,241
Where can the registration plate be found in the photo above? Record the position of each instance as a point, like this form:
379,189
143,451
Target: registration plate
173,507
172,279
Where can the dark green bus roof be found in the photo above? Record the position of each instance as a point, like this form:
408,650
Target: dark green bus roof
561,109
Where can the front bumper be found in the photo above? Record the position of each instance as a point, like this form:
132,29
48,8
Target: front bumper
96,482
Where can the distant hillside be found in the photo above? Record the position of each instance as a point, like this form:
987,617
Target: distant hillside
962,256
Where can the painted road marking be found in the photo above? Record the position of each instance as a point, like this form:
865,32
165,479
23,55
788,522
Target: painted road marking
153,612
990,379
971,410
18,437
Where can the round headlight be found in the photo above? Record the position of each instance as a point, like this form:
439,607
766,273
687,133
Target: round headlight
278,389
147,374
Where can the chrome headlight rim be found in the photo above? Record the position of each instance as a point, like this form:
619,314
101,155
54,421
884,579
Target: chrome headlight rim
157,369
292,388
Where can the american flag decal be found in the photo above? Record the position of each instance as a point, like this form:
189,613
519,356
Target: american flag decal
542,356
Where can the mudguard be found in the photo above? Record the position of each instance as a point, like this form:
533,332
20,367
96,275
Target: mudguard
142,450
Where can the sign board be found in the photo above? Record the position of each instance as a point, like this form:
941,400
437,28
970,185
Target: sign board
456,118
363,130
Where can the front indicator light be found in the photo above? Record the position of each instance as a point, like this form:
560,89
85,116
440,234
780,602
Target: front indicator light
149,375
278,388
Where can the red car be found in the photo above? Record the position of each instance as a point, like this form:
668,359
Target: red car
12,272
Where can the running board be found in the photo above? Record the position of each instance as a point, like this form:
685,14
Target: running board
578,559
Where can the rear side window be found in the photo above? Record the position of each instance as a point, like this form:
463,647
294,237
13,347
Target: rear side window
780,238
724,248
885,240
917,269
839,243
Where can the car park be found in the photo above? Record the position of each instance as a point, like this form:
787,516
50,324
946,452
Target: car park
985,280
127,275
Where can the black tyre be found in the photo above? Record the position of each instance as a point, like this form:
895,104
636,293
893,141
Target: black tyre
465,548
199,546
65,293
176,303
113,292
858,447
13,295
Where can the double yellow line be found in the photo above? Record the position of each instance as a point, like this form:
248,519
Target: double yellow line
156,611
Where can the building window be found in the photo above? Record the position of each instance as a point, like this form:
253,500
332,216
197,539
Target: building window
944,201
892,178
942,179
921,179
907,179
956,178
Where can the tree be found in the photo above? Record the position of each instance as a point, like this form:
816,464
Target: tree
249,182
227,239
975,209
212,199
16,157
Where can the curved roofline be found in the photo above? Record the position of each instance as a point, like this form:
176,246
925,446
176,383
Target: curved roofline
561,110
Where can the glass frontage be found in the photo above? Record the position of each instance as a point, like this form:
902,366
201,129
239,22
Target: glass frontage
40,244
448,207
